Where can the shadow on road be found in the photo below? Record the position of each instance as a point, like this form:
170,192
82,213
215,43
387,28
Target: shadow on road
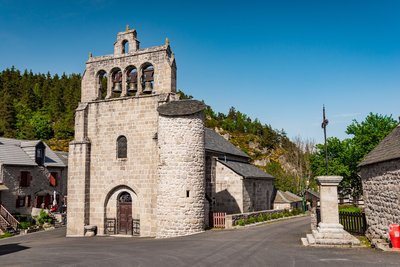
11,248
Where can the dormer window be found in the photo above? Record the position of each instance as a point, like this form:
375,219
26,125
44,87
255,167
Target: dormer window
40,154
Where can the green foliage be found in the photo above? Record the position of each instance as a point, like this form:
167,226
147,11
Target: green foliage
241,222
350,208
38,106
250,220
24,225
344,156
44,217
5,235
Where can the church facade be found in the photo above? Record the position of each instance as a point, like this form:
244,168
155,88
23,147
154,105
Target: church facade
137,164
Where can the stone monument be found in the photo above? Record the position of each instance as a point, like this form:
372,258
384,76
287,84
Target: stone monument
329,231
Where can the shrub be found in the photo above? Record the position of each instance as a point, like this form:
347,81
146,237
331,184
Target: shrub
240,222
260,218
267,217
44,218
6,234
250,220
274,216
24,225
286,213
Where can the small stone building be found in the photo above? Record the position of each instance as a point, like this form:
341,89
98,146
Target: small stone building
287,200
233,184
380,176
137,164
30,173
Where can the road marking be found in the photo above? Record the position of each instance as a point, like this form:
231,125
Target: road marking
335,259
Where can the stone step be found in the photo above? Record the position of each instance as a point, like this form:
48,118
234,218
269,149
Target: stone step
304,241
336,242
310,239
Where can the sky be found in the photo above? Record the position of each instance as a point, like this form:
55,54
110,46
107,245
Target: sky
278,61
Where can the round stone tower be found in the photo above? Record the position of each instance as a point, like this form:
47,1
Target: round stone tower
181,184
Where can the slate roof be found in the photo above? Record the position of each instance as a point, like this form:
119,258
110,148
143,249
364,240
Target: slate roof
312,192
63,156
286,197
387,149
181,107
246,170
215,142
21,152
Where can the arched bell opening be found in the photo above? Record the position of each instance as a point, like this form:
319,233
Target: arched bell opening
131,80
116,78
147,78
125,47
102,84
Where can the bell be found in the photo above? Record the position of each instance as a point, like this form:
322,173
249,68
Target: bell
148,87
132,87
117,87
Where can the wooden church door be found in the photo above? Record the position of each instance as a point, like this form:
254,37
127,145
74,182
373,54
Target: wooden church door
125,214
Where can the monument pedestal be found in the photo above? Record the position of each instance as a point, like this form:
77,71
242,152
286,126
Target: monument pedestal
329,231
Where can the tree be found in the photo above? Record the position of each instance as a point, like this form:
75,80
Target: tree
344,156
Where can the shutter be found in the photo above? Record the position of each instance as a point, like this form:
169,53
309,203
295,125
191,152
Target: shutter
53,179
29,201
17,203
29,178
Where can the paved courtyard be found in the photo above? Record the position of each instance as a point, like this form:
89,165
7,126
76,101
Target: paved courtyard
275,244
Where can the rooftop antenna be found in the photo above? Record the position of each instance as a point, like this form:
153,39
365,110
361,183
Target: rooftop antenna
323,125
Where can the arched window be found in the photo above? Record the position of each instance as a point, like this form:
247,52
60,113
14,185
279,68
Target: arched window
148,78
125,197
131,80
122,147
102,84
125,47
116,78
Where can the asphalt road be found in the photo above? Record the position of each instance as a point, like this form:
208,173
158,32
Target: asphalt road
275,244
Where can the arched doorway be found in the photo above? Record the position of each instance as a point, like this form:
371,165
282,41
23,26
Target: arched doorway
124,213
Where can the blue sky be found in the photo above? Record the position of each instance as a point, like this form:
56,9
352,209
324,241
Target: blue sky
278,61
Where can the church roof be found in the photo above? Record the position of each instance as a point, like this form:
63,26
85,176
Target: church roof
387,149
22,152
246,170
181,107
215,142
286,197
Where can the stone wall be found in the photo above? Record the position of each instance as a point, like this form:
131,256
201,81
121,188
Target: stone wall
381,192
257,194
228,190
161,57
181,186
136,118
39,184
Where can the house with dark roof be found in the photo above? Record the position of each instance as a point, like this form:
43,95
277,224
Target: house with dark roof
31,174
287,200
380,177
233,185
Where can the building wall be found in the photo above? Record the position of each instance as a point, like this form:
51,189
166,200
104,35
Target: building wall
39,184
381,193
288,206
181,184
228,190
136,118
257,194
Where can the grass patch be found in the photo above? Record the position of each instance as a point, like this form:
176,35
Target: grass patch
350,208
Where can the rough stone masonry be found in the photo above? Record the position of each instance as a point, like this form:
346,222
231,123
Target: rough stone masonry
128,162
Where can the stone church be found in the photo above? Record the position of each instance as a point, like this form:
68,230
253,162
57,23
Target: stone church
142,161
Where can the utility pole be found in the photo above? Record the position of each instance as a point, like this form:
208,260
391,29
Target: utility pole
323,125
